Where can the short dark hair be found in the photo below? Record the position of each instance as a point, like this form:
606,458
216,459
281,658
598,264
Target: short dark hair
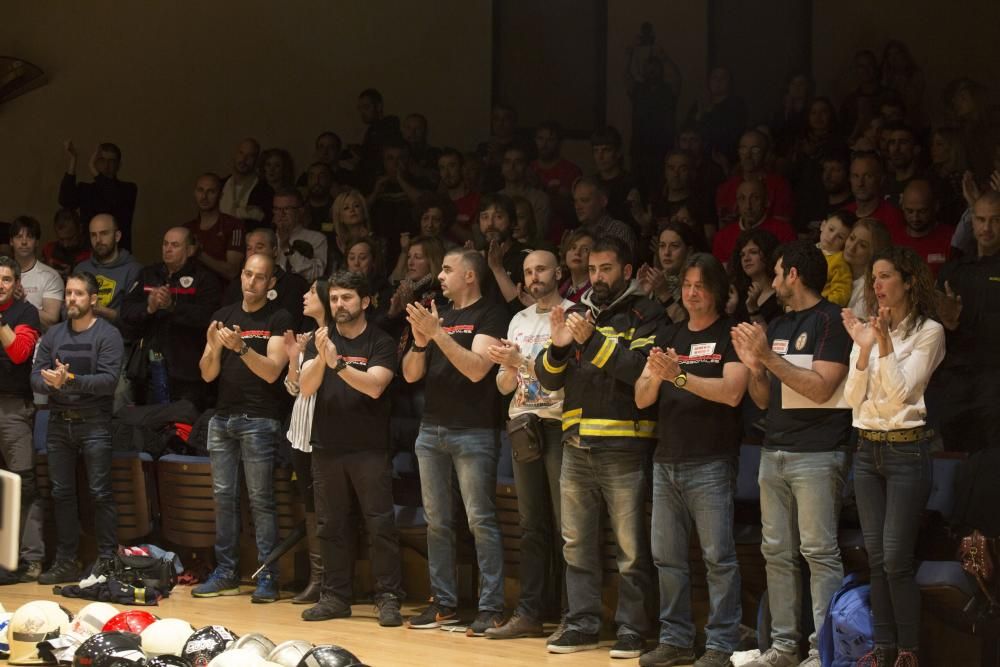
713,274
28,224
902,127
501,201
553,127
475,261
11,264
516,148
615,245
836,154
440,201
450,151
65,216
766,242
87,278
351,280
372,94
607,136
374,248
109,147
322,165
290,192
807,260
328,133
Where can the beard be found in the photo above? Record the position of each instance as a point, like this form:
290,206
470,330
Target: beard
343,316
603,294
77,312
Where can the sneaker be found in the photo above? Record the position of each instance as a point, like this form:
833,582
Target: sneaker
772,657
61,572
217,584
327,609
880,656
714,658
31,571
572,641
560,629
628,646
485,620
434,616
267,589
667,655
516,627
388,611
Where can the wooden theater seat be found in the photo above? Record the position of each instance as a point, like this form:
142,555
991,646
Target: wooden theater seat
186,503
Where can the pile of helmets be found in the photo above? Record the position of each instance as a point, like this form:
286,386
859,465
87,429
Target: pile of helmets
44,633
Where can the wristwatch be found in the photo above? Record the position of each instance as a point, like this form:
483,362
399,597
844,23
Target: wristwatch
243,349
341,365
681,380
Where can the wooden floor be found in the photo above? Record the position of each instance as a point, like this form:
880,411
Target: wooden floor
361,634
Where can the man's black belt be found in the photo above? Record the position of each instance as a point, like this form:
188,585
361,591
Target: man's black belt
77,415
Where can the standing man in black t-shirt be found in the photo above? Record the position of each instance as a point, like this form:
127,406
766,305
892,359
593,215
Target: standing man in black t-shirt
458,434
698,382
797,371
245,351
348,368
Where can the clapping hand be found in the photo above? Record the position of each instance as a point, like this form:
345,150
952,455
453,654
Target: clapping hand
581,327
750,343
561,334
664,364
425,323
505,354
56,377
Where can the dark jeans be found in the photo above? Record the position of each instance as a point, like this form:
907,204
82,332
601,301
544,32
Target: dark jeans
336,478
892,483
539,508
302,465
68,439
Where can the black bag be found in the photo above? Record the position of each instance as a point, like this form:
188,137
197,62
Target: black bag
526,439
145,572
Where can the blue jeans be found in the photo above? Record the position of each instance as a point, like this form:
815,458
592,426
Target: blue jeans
800,497
892,483
68,439
232,438
619,477
471,453
702,494
538,505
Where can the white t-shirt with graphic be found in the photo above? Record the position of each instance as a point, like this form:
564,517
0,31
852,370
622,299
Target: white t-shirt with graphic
530,331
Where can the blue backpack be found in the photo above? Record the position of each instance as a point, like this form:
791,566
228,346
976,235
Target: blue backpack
847,632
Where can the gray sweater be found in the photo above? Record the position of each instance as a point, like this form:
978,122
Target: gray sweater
95,359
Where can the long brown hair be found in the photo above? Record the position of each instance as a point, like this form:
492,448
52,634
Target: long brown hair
914,272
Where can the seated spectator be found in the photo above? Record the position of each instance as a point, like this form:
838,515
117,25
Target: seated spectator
861,105
503,135
922,230
833,235
245,195
722,117
288,287
834,193
751,199
556,175
40,284
435,214
526,230
573,254
868,236
621,188
515,178
678,192
867,185
379,129
115,269
219,236
466,200
350,222
319,184
300,250
423,166
590,199
391,200
661,281
948,166
505,256
706,177
753,278
892,109
276,169
106,194
170,307
754,150
364,257
328,149
418,284
903,159
69,248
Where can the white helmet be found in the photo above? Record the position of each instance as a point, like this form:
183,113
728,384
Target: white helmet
92,618
255,642
237,657
4,621
288,654
166,636
32,623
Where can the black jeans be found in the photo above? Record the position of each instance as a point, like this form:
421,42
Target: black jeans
91,438
892,482
369,475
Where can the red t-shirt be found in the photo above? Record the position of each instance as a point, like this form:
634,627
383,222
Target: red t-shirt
467,208
935,248
557,179
225,235
724,241
779,198
886,213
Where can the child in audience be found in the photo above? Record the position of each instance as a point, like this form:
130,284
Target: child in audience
832,237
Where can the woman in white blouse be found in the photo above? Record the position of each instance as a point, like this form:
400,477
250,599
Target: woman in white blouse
895,352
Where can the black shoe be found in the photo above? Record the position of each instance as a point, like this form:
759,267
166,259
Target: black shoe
30,571
484,621
667,655
388,611
8,577
628,646
103,566
325,610
61,572
434,616
572,641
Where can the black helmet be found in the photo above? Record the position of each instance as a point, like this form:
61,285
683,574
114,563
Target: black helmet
168,661
207,643
329,655
110,649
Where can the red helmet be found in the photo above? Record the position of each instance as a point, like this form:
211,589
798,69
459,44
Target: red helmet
133,620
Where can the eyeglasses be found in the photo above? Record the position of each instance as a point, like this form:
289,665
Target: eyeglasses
284,210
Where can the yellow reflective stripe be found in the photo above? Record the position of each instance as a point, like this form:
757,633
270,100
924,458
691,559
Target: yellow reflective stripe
609,332
603,354
641,342
551,368
618,427
571,418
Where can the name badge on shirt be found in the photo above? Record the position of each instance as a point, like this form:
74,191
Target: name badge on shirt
702,349
780,346
936,258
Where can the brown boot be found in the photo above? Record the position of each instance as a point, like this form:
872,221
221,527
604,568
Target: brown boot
310,594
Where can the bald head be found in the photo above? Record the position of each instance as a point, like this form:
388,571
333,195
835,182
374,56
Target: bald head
541,277
178,246
919,208
104,237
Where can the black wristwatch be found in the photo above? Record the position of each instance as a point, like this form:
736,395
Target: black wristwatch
243,349
340,365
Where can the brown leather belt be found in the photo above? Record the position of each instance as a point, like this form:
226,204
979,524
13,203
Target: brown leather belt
902,435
